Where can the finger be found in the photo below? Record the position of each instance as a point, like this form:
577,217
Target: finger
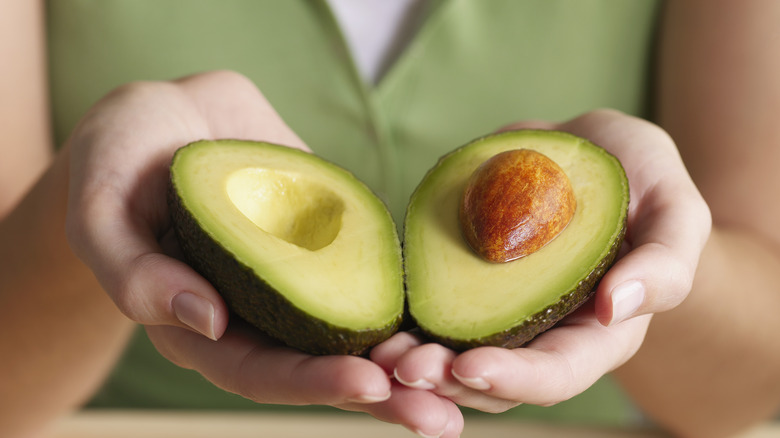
422,412
651,278
387,353
148,286
455,422
426,367
668,222
668,228
558,365
117,209
115,219
247,363
429,367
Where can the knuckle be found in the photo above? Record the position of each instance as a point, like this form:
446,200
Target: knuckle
128,291
560,379
125,298
683,273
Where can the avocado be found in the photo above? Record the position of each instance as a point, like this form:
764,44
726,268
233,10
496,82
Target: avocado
463,299
296,245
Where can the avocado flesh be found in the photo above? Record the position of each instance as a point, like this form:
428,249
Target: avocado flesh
296,246
462,301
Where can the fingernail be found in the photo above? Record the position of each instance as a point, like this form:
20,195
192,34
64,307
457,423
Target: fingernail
417,384
477,383
195,312
366,399
626,299
419,432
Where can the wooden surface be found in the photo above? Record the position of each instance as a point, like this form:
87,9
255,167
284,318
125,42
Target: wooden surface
166,424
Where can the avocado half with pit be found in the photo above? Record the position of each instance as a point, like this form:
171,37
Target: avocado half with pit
295,245
459,295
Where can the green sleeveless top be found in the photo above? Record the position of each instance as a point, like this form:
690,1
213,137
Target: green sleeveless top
472,67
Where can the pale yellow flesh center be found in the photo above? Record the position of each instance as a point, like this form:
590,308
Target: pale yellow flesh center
287,206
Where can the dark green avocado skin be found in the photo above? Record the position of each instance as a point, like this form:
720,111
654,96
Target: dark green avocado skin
544,320
249,297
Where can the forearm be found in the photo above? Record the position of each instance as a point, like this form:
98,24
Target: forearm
62,334
24,108
710,367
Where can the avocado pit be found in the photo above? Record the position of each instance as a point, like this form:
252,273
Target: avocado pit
515,203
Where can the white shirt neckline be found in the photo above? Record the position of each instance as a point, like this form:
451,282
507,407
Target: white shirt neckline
376,31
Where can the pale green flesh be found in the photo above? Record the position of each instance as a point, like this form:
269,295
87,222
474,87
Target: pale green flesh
454,293
306,228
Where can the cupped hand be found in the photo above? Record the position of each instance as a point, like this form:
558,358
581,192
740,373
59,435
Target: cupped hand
118,220
118,224
246,362
668,225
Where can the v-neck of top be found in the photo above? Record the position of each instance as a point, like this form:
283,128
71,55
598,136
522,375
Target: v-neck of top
471,67
376,31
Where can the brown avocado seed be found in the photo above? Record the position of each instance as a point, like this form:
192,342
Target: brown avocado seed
515,203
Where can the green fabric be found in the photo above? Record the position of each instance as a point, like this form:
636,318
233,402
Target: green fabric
474,66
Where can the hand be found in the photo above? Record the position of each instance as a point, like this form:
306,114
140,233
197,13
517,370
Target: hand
668,224
118,224
117,212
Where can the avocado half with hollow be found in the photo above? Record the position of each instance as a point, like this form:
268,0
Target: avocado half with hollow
296,245
464,300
